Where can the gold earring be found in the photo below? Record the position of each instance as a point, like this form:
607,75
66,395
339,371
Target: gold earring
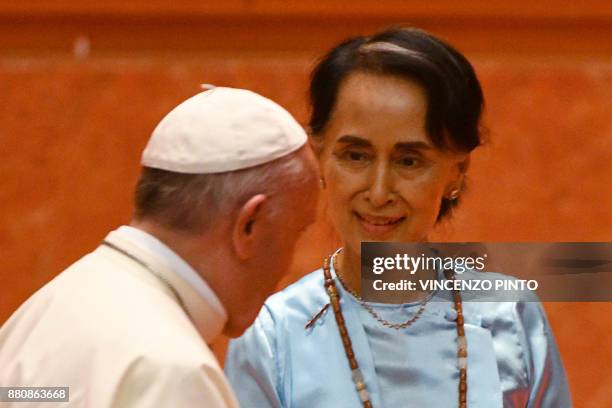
454,194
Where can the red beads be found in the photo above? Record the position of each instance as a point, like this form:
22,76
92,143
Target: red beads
332,291
358,380
461,345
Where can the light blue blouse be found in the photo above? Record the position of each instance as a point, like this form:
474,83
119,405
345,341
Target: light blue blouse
512,357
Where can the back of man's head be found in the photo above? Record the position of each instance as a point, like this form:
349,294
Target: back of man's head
192,203
229,178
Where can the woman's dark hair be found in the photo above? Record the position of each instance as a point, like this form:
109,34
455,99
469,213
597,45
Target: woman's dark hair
454,97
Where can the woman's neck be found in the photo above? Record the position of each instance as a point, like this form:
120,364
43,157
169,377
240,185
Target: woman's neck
348,267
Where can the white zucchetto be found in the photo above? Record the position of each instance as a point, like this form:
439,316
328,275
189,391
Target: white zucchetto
221,130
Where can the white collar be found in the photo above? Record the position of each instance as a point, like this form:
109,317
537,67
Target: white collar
202,304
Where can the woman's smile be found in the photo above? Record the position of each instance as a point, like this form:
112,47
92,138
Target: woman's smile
378,226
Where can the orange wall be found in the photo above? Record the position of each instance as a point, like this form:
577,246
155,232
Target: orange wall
71,129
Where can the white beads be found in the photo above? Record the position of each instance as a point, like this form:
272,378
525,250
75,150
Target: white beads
363,395
462,342
360,385
462,362
357,376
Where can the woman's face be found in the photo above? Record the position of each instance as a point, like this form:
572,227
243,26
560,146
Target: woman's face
384,179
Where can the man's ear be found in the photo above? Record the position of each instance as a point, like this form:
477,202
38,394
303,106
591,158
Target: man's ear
246,225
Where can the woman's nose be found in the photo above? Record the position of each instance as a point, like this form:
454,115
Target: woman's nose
380,191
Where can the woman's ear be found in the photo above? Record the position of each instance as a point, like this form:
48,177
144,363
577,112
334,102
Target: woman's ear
464,164
455,187
316,145
246,227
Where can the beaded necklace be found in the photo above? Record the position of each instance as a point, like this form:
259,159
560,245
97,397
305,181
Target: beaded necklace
370,309
356,374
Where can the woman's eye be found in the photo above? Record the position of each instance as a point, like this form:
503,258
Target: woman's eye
408,161
355,156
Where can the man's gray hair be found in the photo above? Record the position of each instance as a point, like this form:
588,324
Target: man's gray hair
193,202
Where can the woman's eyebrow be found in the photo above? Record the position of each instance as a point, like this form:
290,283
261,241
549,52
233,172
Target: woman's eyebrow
354,140
412,146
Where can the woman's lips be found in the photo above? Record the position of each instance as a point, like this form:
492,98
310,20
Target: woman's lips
376,225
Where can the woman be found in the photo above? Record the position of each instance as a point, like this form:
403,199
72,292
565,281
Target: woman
394,119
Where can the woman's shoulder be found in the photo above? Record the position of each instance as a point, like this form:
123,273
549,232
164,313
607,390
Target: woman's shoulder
498,287
301,297
508,302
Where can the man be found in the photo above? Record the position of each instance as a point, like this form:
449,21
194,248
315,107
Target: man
214,227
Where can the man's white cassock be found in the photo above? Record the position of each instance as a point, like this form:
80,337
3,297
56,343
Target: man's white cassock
121,331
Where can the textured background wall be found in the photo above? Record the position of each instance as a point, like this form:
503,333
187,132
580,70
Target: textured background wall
82,86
